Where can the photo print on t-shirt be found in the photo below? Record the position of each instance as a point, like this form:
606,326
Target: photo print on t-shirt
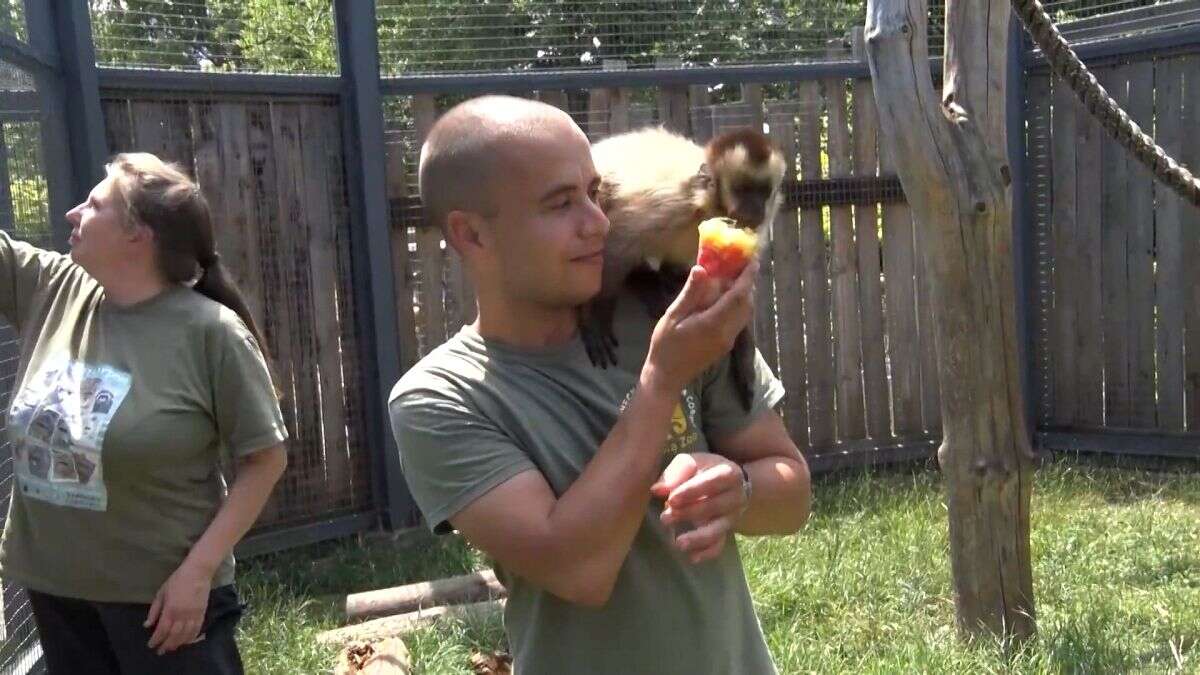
684,426
58,422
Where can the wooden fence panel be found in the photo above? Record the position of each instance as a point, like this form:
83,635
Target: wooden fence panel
1122,334
1190,228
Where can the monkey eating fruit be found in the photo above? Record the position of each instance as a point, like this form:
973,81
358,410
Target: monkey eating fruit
656,189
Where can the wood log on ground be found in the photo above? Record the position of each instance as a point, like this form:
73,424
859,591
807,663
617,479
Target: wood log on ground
467,588
950,156
403,624
384,657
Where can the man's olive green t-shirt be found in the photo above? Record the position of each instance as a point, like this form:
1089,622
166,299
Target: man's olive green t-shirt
474,413
119,421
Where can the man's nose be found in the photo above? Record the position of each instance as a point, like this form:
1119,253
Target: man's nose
596,222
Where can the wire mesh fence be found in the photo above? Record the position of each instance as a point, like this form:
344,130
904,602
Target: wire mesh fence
429,36
12,19
1073,10
24,214
267,36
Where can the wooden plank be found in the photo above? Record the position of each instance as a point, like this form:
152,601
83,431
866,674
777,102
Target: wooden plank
429,247
397,187
641,115
554,97
1140,255
672,100
1174,122
319,123
618,101
164,129
700,113
813,253
1067,284
1115,223
866,235
361,492
608,107
1089,326
292,251
765,338
900,310
843,270
752,100
673,108
118,126
931,407
789,289
276,312
1190,227
236,229
210,171
596,118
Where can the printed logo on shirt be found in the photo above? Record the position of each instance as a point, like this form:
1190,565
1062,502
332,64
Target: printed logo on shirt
684,428
58,422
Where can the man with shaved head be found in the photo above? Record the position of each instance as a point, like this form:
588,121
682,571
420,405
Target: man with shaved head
608,498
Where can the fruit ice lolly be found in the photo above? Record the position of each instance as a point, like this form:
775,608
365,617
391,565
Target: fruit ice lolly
725,249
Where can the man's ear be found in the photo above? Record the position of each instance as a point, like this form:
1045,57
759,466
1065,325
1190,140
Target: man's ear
465,231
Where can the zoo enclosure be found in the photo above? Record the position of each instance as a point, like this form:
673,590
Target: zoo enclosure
323,229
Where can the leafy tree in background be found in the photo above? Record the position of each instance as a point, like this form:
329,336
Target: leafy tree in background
422,36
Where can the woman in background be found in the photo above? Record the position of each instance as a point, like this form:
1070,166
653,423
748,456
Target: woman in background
141,371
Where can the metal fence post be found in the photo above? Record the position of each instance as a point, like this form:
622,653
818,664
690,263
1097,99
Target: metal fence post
362,124
72,121
1024,267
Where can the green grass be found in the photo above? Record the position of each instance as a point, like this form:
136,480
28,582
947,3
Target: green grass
865,588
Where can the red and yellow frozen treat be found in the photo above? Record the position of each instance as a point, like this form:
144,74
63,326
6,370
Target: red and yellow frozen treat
725,249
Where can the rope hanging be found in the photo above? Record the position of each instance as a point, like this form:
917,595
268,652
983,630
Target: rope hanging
1067,65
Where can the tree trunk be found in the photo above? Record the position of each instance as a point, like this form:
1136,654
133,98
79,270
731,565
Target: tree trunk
951,160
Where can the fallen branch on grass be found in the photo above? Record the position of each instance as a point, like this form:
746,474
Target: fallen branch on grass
467,588
395,626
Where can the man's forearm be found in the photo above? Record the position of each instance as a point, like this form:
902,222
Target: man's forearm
781,496
593,524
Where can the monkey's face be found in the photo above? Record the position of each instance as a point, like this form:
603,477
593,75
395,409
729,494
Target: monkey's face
747,172
747,199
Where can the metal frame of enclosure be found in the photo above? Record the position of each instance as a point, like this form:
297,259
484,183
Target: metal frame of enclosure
1127,383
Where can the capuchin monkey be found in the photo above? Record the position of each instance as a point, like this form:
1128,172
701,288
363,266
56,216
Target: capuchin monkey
656,187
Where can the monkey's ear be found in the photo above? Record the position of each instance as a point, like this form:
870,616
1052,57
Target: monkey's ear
703,177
